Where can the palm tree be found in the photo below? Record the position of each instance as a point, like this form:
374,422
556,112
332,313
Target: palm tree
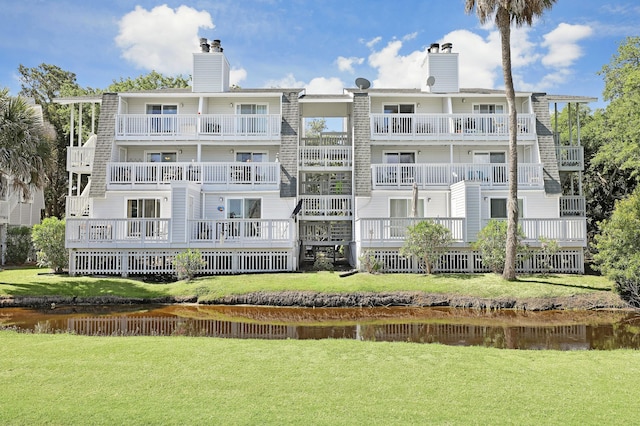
504,13
24,149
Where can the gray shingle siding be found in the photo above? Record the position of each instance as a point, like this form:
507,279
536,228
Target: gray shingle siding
289,144
104,144
362,144
546,144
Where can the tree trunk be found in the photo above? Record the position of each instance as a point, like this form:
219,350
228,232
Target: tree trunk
504,25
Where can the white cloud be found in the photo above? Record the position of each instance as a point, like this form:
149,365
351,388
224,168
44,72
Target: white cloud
321,85
318,85
236,75
411,36
162,39
563,46
396,70
372,42
289,81
346,64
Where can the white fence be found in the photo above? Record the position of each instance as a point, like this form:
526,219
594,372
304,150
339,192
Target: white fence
446,174
258,174
228,231
335,206
459,261
145,262
570,158
376,231
325,156
449,126
84,231
190,126
80,159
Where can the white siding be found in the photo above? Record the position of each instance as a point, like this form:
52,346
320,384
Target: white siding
210,72
444,68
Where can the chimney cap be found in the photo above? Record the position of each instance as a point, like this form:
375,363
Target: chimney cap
434,48
446,47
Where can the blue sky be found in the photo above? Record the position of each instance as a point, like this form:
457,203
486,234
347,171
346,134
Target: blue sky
320,45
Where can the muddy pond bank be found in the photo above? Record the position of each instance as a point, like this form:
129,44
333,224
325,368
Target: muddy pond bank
308,299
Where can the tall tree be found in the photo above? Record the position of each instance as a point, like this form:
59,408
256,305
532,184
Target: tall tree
505,13
152,81
24,148
44,83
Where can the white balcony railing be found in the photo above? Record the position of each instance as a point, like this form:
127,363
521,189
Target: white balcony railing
381,231
449,126
264,175
386,176
80,159
190,126
77,206
563,230
570,158
572,205
325,156
242,231
333,207
152,230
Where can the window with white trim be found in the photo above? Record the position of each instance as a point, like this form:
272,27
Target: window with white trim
498,208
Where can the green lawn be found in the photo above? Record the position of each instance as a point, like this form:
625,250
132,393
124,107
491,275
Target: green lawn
67,379
37,282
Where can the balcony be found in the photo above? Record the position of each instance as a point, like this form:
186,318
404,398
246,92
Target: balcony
572,205
570,158
80,159
563,230
223,176
242,232
391,232
77,206
198,126
328,233
320,158
447,127
117,232
402,176
326,207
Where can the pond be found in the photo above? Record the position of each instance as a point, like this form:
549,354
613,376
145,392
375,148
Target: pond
559,330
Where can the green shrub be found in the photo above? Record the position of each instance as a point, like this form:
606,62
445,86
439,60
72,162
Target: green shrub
548,249
19,245
188,263
618,248
322,262
427,241
48,238
492,242
369,262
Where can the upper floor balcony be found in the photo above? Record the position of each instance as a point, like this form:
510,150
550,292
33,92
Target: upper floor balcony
402,176
222,176
198,126
448,127
570,158
80,159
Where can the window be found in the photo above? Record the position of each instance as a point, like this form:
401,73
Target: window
402,208
243,208
162,124
490,166
400,124
498,208
252,125
406,174
143,208
161,157
251,157
399,210
488,109
490,124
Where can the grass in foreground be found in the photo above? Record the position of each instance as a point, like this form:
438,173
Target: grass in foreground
37,282
66,379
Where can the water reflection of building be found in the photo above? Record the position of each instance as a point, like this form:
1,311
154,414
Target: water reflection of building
563,337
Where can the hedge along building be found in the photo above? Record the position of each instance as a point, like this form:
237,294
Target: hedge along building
231,172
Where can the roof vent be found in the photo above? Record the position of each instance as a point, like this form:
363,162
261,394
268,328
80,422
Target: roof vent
446,47
204,46
434,48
